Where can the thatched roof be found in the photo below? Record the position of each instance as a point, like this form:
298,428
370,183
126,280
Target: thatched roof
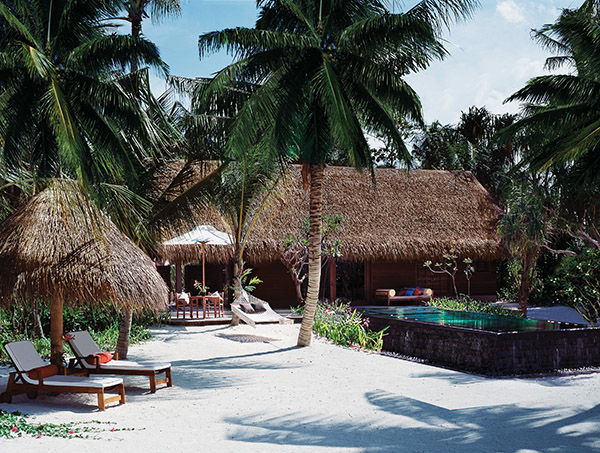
416,215
58,244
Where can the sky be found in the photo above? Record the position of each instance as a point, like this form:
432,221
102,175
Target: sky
492,55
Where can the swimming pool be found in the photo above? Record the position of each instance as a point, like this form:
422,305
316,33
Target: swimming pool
469,320
487,344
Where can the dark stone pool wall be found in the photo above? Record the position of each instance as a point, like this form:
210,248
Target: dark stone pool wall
491,352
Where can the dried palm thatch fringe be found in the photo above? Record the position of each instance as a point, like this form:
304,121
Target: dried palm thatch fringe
61,245
414,215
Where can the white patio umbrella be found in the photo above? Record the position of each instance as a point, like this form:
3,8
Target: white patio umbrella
202,234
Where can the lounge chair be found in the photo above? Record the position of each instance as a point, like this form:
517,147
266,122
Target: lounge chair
85,349
253,310
32,375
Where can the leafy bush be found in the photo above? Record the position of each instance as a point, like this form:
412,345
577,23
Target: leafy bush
468,304
578,283
102,322
346,327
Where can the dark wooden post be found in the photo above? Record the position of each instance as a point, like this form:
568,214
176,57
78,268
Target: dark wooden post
332,280
178,277
368,283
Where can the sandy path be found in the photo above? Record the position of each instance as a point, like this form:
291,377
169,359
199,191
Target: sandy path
233,396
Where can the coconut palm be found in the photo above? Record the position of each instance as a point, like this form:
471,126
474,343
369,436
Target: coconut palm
329,70
66,111
566,106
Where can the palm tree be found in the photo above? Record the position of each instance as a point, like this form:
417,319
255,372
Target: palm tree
65,109
566,107
329,70
62,111
137,10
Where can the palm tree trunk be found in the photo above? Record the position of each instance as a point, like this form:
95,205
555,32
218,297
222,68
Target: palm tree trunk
124,329
525,285
56,330
238,270
127,315
314,253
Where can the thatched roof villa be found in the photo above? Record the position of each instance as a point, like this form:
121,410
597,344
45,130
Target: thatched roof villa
389,230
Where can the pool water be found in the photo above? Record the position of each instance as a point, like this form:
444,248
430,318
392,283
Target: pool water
467,319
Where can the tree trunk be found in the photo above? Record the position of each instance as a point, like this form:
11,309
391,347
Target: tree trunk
525,285
238,270
298,287
37,322
124,329
314,253
127,315
56,331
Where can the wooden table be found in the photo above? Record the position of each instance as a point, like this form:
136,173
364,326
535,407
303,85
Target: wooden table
195,301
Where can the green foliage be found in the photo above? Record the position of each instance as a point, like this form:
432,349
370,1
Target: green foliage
346,327
102,323
15,424
578,283
248,283
468,304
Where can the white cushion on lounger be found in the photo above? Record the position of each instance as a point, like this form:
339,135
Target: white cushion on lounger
78,381
131,365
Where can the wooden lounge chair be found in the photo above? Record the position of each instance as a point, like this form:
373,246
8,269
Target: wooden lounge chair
253,310
28,363
83,346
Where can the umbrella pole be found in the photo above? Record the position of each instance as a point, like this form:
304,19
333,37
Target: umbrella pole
56,330
203,280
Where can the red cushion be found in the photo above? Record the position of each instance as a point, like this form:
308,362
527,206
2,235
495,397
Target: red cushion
401,292
47,371
103,357
418,291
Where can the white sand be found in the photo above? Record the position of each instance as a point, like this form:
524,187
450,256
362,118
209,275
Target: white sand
273,397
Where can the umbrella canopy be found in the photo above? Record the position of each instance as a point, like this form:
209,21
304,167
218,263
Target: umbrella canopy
202,234
207,234
62,248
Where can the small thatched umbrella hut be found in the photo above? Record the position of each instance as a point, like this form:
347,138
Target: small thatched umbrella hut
60,247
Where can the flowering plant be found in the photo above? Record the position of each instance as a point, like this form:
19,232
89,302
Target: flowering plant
345,326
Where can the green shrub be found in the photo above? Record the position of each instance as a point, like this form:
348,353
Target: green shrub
346,327
468,304
17,323
578,283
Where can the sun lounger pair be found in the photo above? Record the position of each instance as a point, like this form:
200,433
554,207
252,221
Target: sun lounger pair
32,375
253,310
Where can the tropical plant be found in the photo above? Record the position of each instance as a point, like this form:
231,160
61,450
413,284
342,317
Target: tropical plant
524,229
295,254
329,71
137,10
578,283
565,106
468,304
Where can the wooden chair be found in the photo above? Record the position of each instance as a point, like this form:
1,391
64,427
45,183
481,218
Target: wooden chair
29,378
264,315
84,347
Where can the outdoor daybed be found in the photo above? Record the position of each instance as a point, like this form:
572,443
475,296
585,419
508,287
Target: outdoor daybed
390,296
86,351
32,375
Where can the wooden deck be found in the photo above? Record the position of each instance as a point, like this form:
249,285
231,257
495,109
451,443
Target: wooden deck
210,320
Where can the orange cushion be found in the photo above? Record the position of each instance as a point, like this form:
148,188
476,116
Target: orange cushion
103,357
418,291
47,371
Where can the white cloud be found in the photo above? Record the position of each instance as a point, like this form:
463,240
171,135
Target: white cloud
510,11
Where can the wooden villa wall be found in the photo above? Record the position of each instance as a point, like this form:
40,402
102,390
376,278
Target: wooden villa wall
397,275
277,287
